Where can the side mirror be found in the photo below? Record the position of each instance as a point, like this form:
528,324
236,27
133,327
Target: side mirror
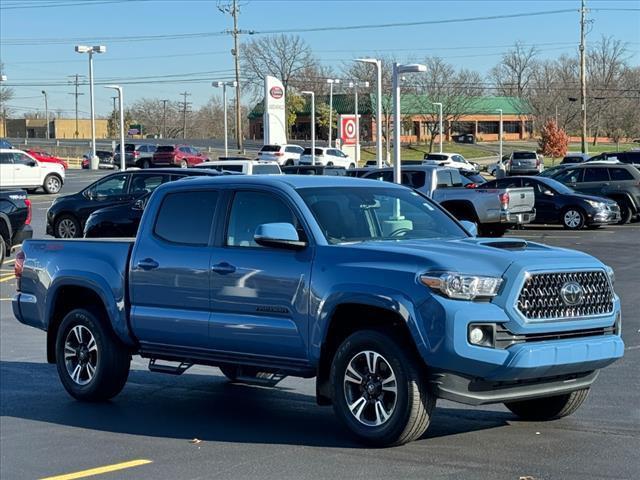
32,163
548,192
138,204
278,235
470,227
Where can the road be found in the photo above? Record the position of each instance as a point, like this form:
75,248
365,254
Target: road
259,433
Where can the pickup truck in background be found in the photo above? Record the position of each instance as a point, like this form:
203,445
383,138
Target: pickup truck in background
15,220
493,210
370,287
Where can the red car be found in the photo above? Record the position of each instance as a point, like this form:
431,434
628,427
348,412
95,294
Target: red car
177,156
43,156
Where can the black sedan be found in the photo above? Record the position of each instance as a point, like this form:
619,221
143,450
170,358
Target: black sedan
117,221
558,204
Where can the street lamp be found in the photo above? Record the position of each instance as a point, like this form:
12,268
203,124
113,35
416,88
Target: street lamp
123,154
378,64
224,86
3,78
313,125
331,81
46,114
439,104
500,135
355,86
91,51
398,70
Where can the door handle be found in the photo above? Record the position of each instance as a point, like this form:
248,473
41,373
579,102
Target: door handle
223,268
147,264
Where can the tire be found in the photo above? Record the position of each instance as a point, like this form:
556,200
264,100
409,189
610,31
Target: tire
230,372
184,164
573,218
352,165
31,191
404,415
3,250
625,211
329,164
146,164
549,408
67,226
97,364
289,163
52,184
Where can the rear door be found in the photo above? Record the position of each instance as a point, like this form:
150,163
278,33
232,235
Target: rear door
27,171
546,208
169,280
6,169
595,181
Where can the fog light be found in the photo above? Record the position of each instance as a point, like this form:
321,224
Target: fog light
482,334
476,336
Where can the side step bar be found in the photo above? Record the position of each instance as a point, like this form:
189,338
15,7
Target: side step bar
179,369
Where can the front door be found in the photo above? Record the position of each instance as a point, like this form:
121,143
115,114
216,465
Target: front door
6,169
546,209
260,295
26,170
107,192
169,281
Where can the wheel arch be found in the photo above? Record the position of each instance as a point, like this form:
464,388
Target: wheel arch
5,228
624,196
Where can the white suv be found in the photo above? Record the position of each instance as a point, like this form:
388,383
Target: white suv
248,167
283,154
19,169
453,160
327,157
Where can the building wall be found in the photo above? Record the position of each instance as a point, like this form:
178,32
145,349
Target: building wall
66,128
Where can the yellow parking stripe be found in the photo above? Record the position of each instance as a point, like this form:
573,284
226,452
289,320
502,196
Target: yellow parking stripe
100,470
7,262
6,279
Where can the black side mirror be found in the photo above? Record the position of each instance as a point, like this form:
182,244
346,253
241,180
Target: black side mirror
139,204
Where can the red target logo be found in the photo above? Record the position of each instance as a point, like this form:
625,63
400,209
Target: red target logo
348,131
276,92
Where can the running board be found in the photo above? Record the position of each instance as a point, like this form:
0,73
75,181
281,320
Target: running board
264,379
169,369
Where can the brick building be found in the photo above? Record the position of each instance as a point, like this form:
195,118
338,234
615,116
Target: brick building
60,128
480,118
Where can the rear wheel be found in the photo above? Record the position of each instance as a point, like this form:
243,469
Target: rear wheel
625,211
184,164
92,364
67,226
3,249
549,408
146,164
288,163
52,184
378,391
352,165
573,218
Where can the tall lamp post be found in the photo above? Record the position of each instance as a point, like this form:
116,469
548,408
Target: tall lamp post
439,104
46,114
123,163
224,86
331,81
91,51
3,78
398,70
378,64
313,125
500,136
355,86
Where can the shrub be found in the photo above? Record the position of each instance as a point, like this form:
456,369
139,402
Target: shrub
554,141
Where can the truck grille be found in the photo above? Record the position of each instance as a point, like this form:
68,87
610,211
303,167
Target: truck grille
542,296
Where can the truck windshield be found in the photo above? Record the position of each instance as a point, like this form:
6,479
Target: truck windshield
368,214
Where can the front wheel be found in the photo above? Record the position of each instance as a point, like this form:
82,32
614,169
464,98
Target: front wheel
184,164
625,212
378,391
549,408
67,226
52,184
92,364
573,219
352,165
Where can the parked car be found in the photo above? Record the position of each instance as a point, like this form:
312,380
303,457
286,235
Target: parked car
282,154
67,215
453,160
631,157
140,156
464,138
560,205
314,170
19,169
122,220
5,144
374,163
472,179
493,210
182,156
15,220
358,172
43,156
619,182
575,157
551,171
369,287
327,156
524,163
246,167
105,159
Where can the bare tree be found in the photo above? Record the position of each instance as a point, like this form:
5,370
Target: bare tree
6,94
512,75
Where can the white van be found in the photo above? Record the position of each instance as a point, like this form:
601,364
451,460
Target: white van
19,169
248,167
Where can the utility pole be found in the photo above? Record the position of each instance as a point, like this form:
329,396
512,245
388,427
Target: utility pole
164,118
76,82
185,104
583,78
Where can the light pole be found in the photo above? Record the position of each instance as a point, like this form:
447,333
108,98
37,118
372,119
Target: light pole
398,70
355,86
331,81
378,64
3,78
46,114
123,154
439,104
500,136
313,125
224,86
91,51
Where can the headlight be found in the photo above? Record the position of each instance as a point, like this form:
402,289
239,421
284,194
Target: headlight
462,287
595,204
612,275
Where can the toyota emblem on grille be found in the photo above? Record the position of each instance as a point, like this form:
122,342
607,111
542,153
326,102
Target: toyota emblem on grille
572,293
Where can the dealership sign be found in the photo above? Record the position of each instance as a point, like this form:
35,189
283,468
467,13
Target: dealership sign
347,129
275,126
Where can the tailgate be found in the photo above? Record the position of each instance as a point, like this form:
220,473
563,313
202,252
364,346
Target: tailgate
521,199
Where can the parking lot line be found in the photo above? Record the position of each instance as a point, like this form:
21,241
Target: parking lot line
7,278
10,261
100,470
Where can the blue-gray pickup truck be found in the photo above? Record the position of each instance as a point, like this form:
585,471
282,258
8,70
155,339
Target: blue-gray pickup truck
370,287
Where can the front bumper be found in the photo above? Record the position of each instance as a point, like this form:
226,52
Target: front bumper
604,216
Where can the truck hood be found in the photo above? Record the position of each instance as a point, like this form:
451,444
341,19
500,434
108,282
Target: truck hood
481,256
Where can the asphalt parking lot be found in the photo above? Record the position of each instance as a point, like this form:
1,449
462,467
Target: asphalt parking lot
199,426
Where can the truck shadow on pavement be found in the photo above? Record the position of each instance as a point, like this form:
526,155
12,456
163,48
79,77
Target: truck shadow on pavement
206,407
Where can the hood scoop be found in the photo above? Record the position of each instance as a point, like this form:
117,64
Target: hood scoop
514,244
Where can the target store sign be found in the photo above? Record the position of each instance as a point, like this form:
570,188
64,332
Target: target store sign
276,92
347,133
